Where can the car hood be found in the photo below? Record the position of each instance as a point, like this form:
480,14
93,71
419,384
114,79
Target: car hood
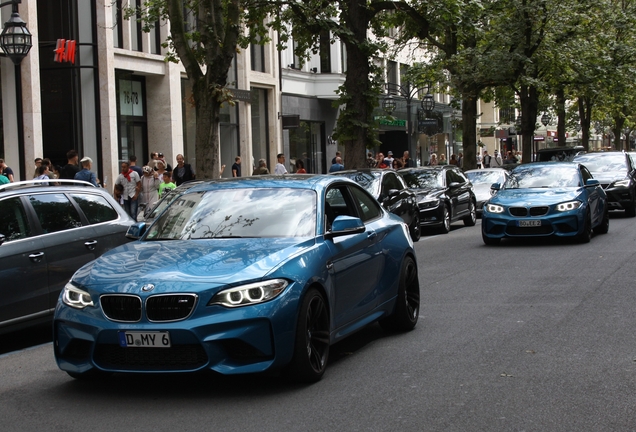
482,191
431,193
534,196
187,262
608,177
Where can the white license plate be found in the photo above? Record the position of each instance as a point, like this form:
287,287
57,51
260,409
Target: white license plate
133,339
529,223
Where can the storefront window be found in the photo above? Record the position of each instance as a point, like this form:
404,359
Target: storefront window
307,144
260,136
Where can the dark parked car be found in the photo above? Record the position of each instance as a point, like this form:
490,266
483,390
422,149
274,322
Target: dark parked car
482,180
444,195
389,188
46,234
617,174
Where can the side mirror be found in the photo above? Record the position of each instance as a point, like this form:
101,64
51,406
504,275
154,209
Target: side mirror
495,186
136,230
345,225
592,182
454,185
2,238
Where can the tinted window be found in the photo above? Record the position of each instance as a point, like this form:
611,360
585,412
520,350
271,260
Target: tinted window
423,179
586,174
368,206
14,224
390,181
543,176
96,208
55,212
603,162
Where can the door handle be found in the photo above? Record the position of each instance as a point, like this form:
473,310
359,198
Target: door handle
36,257
91,244
372,235
329,265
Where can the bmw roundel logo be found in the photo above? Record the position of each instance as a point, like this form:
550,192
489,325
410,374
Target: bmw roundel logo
147,287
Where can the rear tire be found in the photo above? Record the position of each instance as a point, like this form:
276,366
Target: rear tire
311,347
407,304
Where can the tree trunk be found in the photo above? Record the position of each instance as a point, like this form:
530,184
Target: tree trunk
619,122
585,117
560,101
207,130
469,129
529,108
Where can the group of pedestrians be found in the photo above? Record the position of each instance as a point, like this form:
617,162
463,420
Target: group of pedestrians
495,161
456,160
382,162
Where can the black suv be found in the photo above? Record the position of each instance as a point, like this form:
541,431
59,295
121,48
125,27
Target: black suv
46,234
617,175
444,195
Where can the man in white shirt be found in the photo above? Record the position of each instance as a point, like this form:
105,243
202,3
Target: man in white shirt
496,160
280,167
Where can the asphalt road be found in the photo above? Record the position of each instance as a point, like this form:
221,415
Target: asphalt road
525,336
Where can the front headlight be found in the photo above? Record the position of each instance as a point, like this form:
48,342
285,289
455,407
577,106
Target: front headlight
567,206
622,183
494,208
253,293
76,298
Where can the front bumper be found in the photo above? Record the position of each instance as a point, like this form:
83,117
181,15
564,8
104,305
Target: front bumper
229,341
431,214
619,198
566,224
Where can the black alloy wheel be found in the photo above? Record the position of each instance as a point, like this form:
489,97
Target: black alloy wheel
407,305
415,229
446,221
471,219
311,349
586,234
603,227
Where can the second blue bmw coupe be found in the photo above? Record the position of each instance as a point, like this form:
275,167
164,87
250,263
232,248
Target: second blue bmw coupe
545,199
241,276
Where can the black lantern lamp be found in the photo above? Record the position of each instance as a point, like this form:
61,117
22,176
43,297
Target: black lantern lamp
428,103
546,119
15,38
578,127
388,105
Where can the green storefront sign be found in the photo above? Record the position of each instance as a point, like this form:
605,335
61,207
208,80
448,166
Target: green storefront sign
386,121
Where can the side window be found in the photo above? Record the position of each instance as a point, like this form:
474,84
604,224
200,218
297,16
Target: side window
586,175
369,207
96,208
14,224
55,212
337,203
390,181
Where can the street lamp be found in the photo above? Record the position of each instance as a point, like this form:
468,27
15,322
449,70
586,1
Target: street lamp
16,42
428,103
546,119
407,92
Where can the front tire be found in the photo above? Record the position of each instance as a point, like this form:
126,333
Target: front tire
415,229
407,306
311,348
603,228
471,219
586,234
446,222
489,241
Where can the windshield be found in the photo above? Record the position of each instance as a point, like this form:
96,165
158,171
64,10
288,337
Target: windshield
231,213
603,162
424,179
485,177
552,176
370,181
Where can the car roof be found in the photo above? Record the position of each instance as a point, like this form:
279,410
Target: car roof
486,169
38,186
548,164
295,181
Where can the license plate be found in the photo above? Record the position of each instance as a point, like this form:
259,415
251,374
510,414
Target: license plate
133,339
529,223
